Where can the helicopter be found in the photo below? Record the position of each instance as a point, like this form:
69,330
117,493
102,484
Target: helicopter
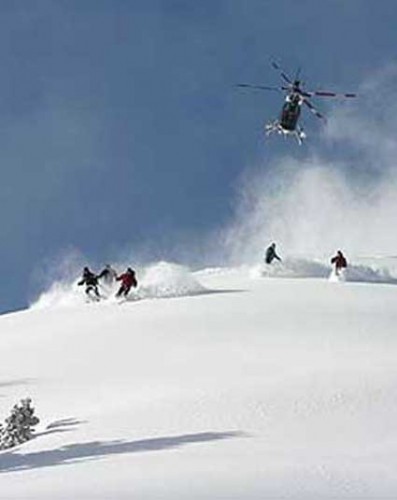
291,110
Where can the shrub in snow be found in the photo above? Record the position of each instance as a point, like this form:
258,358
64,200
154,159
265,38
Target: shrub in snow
19,425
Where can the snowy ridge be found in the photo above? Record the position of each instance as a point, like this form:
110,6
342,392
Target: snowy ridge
160,280
167,280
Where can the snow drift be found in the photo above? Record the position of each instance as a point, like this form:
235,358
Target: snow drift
302,268
169,280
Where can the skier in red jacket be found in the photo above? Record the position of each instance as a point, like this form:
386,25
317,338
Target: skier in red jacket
128,280
339,262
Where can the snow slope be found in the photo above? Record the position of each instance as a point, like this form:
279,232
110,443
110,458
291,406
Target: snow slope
240,386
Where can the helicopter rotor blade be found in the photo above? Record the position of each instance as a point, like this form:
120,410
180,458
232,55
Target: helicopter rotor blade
260,87
282,72
314,110
325,93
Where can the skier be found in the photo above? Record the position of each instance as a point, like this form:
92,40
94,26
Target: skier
90,280
339,262
271,254
108,274
128,280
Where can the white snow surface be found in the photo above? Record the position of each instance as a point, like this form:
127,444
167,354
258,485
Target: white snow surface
227,384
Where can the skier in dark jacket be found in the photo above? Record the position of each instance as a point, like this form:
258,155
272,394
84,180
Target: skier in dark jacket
108,274
271,254
90,280
128,280
339,262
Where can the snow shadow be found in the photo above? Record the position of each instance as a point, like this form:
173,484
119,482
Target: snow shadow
64,422
63,425
14,383
206,291
78,452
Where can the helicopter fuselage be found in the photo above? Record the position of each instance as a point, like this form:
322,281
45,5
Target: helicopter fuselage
296,97
291,112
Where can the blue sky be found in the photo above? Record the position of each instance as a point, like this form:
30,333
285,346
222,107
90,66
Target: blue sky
120,128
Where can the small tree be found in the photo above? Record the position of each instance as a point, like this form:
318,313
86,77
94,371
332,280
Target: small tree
19,425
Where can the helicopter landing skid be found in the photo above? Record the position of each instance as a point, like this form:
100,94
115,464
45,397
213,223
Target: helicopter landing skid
298,133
